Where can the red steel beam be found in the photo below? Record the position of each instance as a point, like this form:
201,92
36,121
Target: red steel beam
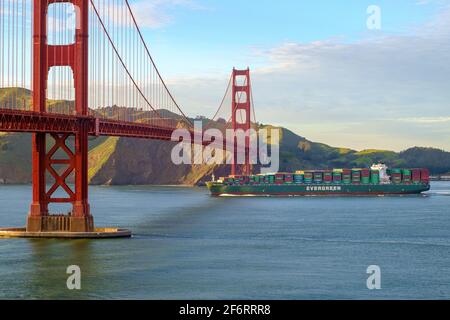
238,106
36,122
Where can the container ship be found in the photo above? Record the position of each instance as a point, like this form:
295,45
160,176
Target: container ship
378,180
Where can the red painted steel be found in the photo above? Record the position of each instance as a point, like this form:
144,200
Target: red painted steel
35,122
241,108
425,175
46,56
79,124
60,179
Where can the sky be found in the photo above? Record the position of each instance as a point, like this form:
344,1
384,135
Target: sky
317,68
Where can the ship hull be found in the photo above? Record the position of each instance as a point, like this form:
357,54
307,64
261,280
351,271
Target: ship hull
218,189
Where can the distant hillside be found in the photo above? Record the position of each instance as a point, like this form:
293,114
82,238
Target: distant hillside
121,161
438,161
298,152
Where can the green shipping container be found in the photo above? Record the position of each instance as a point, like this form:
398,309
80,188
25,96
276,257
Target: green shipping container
365,180
406,175
375,177
356,176
347,177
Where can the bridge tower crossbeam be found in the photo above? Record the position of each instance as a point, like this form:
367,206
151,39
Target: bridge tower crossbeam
46,56
241,118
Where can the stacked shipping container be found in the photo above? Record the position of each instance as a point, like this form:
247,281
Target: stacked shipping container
374,176
356,176
328,177
336,176
365,176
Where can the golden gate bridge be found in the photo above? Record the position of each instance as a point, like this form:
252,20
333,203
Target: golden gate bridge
71,69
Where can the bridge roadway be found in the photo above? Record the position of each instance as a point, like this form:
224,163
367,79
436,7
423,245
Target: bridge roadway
36,122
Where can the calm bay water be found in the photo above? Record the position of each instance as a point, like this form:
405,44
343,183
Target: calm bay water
187,245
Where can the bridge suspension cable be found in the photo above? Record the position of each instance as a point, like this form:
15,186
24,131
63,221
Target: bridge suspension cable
121,60
92,75
152,61
15,57
212,121
226,109
124,82
138,91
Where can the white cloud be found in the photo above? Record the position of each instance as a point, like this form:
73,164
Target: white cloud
61,18
155,13
393,86
424,120
148,13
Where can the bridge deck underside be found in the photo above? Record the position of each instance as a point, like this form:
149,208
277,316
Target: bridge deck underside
34,122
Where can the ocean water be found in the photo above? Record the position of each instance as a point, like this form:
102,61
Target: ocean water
188,245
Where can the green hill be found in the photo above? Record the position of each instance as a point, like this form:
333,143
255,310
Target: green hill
122,161
298,152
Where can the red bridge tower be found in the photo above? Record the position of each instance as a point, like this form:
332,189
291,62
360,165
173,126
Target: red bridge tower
241,118
45,57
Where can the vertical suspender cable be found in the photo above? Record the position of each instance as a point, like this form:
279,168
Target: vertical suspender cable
104,64
120,58
13,52
8,50
154,66
2,21
24,47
